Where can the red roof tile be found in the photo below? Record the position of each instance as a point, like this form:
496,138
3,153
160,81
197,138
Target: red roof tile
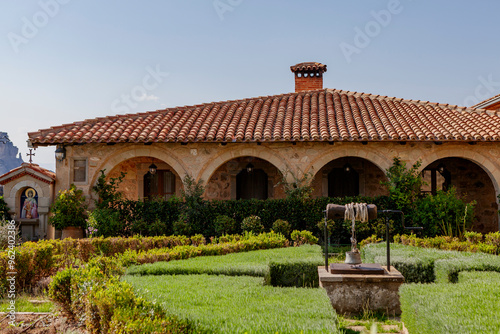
33,170
320,115
487,102
308,67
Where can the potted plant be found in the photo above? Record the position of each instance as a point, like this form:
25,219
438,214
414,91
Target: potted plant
69,212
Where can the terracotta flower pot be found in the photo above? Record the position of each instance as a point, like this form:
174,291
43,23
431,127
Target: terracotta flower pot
72,232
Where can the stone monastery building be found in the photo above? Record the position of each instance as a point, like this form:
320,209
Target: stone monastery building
243,148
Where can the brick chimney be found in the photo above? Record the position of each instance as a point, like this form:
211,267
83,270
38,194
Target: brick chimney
308,76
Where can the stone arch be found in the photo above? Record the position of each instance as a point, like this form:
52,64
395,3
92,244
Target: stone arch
163,154
15,192
260,152
379,160
491,168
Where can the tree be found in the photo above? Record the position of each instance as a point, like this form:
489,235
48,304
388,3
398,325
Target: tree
404,185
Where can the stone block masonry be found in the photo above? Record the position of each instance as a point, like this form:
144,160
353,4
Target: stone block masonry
353,294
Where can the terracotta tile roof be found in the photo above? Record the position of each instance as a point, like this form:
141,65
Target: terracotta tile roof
319,115
308,67
33,170
486,102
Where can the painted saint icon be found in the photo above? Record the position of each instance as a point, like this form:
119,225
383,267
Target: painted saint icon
29,202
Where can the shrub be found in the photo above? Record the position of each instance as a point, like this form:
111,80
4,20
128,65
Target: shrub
105,222
6,229
182,226
60,289
283,227
300,188
149,218
252,224
69,209
370,240
94,295
224,225
194,210
473,237
107,192
473,244
492,238
303,237
4,210
445,213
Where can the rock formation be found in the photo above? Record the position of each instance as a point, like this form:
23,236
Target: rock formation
10,157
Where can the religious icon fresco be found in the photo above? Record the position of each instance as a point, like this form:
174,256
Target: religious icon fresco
29,204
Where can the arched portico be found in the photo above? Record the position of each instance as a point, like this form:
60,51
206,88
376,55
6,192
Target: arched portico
381,161
487,165
245,178
348,176
472,183
260,152
162,154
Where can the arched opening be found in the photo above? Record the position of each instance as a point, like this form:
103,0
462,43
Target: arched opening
139,183
245,177
349,176
471,182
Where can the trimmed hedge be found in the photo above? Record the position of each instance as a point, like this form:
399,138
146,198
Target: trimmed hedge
448,270
414,270
427,265
471,306
159,217
298,273
473,243
247,243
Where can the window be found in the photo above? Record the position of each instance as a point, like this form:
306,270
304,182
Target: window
80,170
435,179
161,184
343,182
251,184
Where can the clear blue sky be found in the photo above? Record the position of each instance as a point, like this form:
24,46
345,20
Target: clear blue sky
68,60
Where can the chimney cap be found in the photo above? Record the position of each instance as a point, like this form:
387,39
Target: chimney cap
308,67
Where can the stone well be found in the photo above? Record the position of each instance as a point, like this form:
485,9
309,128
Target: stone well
355,293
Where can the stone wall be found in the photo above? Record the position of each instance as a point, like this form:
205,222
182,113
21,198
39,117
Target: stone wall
369,177
222,184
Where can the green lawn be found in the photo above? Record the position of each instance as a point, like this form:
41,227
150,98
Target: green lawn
469,306
24,304
205,290
254,263
225,304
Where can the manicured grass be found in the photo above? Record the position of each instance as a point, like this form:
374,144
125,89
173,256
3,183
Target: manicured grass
470,306
225,304
24,304
254,263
